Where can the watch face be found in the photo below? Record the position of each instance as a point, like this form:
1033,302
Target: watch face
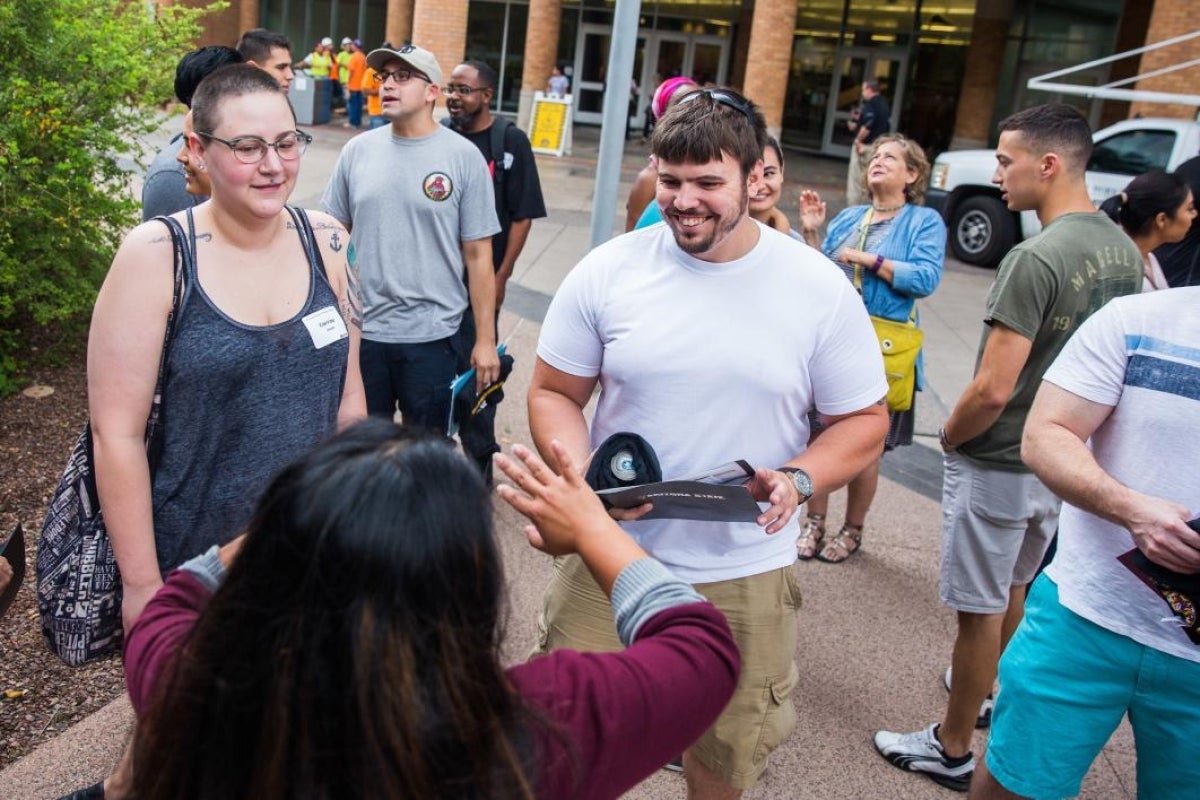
803,483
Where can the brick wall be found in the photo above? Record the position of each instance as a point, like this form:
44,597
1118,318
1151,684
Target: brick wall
221,27
767,72
248,15
541,43
441,27
1171,18
399,25
981,82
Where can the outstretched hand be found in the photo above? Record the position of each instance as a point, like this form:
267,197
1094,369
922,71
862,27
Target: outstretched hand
812,210
562,507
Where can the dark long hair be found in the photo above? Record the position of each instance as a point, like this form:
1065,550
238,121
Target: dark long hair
1136,207
352,650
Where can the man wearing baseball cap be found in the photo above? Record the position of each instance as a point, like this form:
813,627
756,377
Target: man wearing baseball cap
418,201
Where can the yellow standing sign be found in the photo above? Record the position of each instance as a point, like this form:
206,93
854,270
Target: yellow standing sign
550,126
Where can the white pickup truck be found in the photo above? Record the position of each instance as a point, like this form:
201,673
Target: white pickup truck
982,229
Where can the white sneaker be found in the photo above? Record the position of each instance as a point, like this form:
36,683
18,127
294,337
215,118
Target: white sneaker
922,752
985,709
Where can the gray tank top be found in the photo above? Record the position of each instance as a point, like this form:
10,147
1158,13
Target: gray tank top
239,403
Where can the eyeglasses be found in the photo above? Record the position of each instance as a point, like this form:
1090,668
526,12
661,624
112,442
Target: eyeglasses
465,91
400,75
251,149
723,98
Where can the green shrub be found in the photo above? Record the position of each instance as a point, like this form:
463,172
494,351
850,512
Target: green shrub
78,83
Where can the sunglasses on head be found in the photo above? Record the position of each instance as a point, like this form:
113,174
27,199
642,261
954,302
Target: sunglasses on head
723,98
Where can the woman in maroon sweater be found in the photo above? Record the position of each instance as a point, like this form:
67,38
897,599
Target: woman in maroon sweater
352,650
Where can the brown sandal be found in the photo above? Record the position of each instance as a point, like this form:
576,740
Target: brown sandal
812,533
839,548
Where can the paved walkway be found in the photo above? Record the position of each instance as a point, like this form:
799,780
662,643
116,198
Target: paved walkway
873,640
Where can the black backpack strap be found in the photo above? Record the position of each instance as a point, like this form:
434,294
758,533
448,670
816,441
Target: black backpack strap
185,264
499,130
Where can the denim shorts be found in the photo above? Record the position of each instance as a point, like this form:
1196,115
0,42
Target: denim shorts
996,526
1066,683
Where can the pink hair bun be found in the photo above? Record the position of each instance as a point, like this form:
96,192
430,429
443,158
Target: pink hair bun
662,95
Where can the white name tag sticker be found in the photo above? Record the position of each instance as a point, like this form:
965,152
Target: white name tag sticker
326,327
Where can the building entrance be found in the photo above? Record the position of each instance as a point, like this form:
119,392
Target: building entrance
853,66
659,55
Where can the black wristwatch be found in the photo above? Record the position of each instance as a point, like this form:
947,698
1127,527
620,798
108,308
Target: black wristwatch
802,482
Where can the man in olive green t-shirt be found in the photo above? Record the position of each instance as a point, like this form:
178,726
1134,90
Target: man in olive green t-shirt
997,517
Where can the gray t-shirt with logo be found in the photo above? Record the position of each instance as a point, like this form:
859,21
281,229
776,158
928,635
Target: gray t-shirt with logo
410,204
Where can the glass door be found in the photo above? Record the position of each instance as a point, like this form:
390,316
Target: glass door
591,68
807,97
708,59
702,57
852,67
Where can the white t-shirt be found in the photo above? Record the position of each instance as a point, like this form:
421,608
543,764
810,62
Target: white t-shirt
711,363
1139,354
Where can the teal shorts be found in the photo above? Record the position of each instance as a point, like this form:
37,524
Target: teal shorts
1065,685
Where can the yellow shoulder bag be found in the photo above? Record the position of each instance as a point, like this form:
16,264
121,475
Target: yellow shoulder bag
900,342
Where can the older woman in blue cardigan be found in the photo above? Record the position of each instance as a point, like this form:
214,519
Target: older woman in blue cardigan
892,250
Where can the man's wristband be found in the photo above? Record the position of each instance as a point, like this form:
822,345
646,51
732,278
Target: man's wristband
878,264
947,447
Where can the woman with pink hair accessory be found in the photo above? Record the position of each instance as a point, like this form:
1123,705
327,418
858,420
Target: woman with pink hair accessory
641,194
666,92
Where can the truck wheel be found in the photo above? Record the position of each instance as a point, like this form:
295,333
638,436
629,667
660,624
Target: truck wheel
982,231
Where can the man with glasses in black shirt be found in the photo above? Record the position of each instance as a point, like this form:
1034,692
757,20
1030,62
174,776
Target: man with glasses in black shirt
469,95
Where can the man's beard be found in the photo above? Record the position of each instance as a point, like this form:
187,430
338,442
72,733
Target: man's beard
721,229
464,119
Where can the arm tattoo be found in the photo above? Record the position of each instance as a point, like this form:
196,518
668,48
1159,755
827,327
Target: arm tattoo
200,237
335,242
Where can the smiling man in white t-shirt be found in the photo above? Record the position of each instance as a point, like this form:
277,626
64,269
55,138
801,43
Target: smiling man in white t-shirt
712,336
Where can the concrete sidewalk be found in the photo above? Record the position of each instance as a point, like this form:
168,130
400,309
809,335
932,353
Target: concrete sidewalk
873,640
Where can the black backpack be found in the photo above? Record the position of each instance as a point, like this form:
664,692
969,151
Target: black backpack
498,131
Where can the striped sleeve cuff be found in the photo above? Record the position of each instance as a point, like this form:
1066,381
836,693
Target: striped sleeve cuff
206,568
643,589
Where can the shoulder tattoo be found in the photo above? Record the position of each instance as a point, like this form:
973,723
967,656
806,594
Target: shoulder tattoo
200,237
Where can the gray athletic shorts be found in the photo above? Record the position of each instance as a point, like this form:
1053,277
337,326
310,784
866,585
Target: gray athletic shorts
996,526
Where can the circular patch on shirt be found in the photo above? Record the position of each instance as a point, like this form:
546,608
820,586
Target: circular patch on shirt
438,186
